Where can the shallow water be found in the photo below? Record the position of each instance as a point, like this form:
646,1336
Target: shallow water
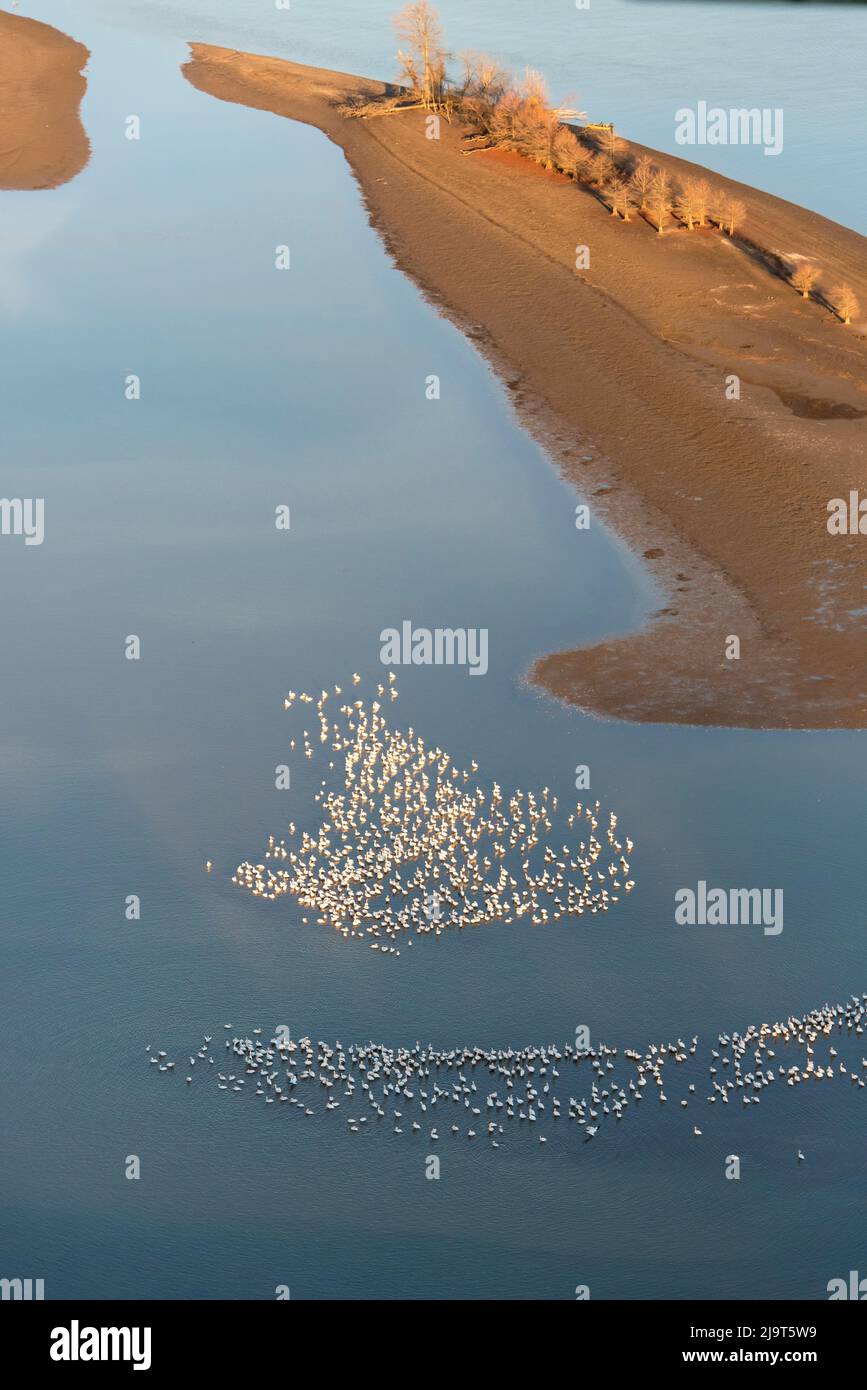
307,388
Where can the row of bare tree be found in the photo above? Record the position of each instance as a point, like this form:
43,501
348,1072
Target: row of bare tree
523,119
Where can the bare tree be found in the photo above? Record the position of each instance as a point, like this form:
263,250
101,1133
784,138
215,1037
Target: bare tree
623,202
804,279
846,303
641,181
601,170
731,212
524,120
549,140
535,89
685,206
534,92
423,61
693,203
610,190
506,124
570,157
619,198
484,85
737,215
520,125
608,142
660,199
702,194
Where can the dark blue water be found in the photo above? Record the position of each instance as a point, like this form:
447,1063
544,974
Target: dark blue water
307,388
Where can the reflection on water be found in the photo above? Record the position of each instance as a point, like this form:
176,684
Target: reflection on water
122,777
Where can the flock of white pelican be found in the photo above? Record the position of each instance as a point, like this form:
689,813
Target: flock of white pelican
471,1092
409,844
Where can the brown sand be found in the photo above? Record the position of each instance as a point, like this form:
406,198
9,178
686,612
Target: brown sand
42,140
625,365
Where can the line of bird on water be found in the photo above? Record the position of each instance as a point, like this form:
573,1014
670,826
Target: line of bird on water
404,1086
409,844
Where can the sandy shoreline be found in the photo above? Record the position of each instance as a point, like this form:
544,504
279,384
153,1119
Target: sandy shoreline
627,363
42,139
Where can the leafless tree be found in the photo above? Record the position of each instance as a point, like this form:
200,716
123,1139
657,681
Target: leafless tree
422,61
702,194
641,181
484,85
660,199
549,141
550,135
610,190
731,212
534,88
623,203
804,279
534,91
600,170
505,121
515,125
846,303
685,204
570,156
525,121
608,142
619,198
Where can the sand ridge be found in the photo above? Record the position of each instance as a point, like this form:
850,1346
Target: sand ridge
626,364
